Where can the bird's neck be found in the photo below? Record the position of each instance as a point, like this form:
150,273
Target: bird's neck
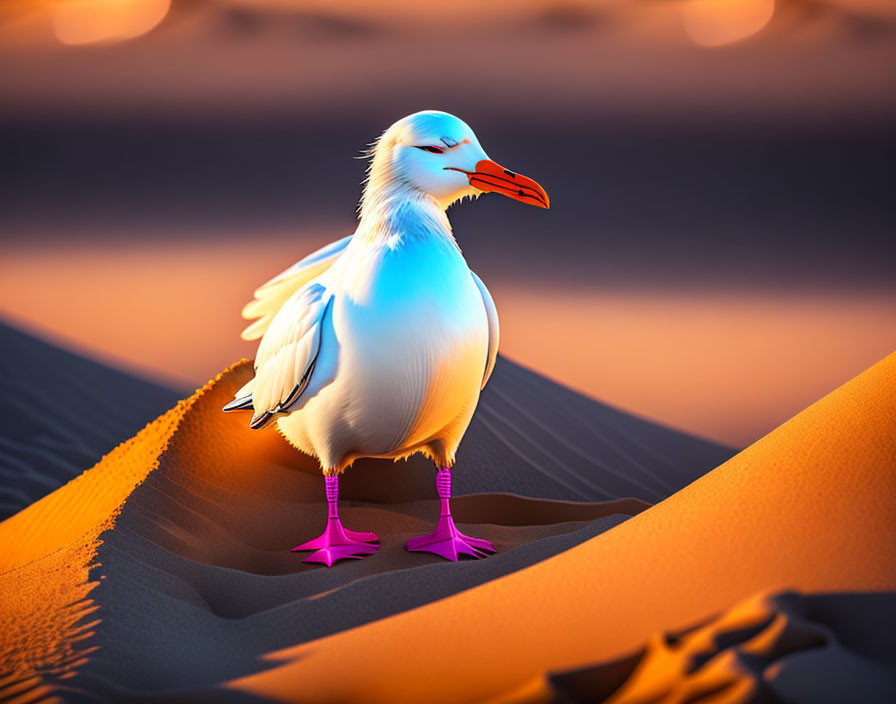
394,214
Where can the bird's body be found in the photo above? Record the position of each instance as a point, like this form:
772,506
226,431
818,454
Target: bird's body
403,352
379,344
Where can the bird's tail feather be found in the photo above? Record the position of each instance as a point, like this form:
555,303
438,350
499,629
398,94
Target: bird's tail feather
244,403
261,420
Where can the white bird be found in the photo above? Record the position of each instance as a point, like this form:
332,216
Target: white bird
378,345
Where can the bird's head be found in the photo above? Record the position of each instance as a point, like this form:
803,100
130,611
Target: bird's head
439,155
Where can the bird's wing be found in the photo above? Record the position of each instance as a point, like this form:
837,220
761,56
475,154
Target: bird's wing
270,297
287,353
494,329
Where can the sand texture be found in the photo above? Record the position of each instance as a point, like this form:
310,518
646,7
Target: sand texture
787,647
808,507
61,413
165,571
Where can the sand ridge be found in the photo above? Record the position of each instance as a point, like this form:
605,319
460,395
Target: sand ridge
770,647
49,550
182,534
61,413
771,518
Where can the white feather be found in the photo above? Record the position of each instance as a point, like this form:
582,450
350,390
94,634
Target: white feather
378,345
270,296
289,349
494,328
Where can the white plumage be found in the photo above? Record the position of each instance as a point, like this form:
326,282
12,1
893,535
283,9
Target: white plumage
378,345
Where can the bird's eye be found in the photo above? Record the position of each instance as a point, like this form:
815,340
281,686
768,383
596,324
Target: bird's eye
432,150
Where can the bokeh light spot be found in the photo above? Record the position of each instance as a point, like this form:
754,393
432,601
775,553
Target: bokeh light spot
719,22
90,21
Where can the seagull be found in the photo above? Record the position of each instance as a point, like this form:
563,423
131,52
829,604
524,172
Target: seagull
379,344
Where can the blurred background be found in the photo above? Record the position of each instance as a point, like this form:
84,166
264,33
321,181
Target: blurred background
720,249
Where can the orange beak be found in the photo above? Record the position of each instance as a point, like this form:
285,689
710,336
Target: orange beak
494,178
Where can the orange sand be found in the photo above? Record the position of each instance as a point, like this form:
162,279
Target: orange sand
807,507
770,647
810,506
59,519
48,550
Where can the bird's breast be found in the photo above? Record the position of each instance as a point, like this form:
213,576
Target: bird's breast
413,339
420,289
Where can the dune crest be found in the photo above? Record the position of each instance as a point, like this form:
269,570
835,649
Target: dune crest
93,497
49,550
808,507
770,647
62,413
182,534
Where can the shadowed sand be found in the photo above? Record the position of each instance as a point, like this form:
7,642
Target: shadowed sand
771,647
164,572
60,414
182,535
810,507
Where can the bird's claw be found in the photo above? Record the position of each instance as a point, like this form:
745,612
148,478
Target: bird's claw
364,537
332,554
448,542
338,543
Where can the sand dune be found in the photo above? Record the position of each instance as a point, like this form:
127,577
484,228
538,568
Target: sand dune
164,573
782,647
808,507
181,535
61,413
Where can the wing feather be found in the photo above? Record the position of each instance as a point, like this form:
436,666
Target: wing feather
271,296
288,352
494,329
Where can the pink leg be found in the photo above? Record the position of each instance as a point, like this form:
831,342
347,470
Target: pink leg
336,542
446,540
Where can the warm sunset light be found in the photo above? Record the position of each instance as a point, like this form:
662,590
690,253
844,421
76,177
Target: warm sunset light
90,21
305,399
732,366
719,22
